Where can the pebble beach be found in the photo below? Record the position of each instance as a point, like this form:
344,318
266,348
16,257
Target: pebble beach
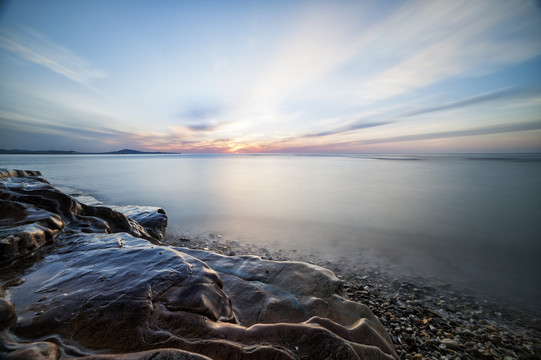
425,321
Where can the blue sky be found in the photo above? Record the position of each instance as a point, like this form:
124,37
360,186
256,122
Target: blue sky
271,76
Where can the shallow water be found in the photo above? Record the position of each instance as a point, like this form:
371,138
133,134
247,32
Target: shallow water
471,220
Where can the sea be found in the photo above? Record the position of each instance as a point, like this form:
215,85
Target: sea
472,221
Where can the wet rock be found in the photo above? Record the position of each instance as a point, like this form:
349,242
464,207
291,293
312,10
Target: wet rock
164,354
24,228
8,316
41,350
34,213
127,299
99,292
152,219
104,286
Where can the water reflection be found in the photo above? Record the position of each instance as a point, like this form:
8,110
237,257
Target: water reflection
470,222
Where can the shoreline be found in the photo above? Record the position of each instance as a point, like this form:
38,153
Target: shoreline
91,281
424,320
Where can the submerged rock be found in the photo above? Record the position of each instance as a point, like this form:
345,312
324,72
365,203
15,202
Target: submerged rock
100,284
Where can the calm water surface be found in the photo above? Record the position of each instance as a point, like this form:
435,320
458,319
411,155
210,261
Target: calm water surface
470,220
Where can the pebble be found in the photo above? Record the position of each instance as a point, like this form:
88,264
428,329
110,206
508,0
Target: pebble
450,343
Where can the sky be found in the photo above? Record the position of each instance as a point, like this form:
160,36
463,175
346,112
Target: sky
271,76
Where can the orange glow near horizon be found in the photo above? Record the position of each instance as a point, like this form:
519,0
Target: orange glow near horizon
336,77
478,143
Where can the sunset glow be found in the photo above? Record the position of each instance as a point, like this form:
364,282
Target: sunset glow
302,76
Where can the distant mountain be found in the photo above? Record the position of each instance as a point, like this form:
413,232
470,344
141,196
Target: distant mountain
60,152
135,152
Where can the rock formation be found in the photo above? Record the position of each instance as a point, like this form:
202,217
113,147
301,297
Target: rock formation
93,282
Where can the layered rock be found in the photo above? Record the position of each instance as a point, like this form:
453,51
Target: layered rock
100,283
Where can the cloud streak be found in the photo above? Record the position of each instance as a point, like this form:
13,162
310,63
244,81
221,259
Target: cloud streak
427,42
347,128
505,94
291,146
202,112
417,45
315,80
486,130
36,48
36,126
203,127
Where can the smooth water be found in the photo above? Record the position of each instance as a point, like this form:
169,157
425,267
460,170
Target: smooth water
471,220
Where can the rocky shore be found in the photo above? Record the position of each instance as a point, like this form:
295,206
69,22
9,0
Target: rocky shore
83,280
425,321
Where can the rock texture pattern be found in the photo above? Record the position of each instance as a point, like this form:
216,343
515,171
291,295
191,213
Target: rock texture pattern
92,282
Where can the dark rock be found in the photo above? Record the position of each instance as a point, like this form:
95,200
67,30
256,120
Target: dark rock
100,289
127,298
162,354
8,316
24,227
34,213
104,286
41,350
152,219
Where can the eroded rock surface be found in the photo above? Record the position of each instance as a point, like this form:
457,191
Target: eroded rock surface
34,212
100,287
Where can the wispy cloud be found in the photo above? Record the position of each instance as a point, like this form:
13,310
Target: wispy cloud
505,94
36,48
178,139
202,111
203,127
204,117
390,117
347,128
416,45
33,125
428,42
485,130
38,131
311,85
290,146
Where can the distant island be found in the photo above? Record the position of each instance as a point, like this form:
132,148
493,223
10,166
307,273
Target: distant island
61,152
